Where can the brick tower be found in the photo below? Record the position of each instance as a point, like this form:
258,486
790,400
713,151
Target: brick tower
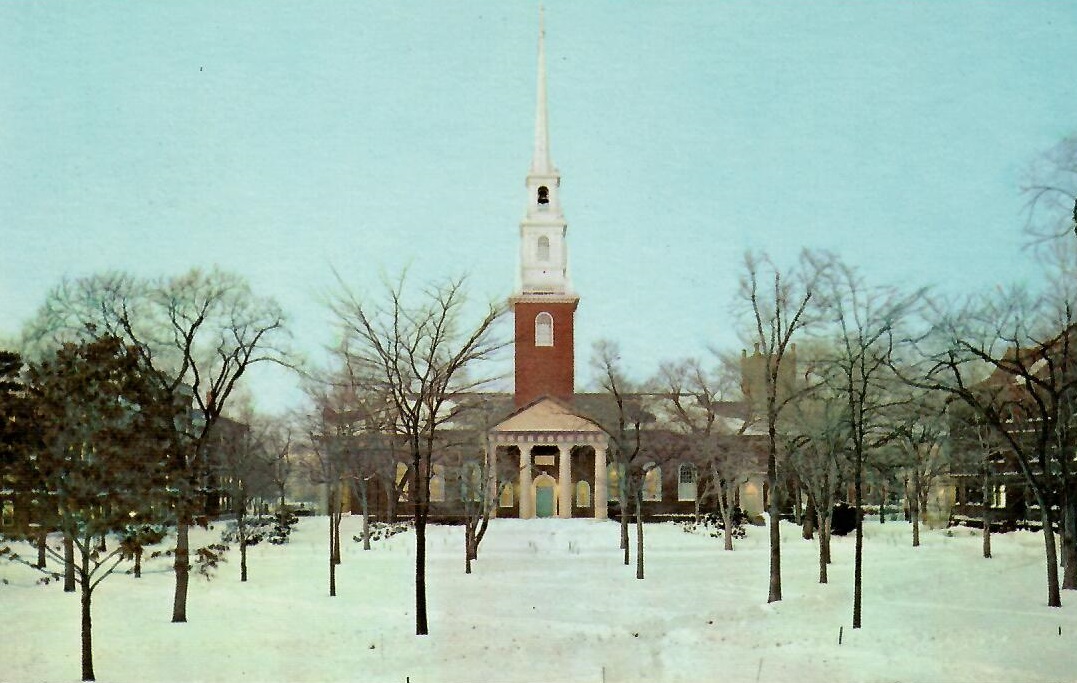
544,304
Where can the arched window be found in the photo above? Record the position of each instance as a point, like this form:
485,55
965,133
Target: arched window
686,482
613,481
471,482
506,496
402,480
583,495
544,329
543,250
998,496
437,485
543,195
652,482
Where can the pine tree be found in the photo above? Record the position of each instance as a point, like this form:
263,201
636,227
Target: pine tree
107,430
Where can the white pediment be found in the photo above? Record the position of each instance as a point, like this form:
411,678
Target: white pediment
546,415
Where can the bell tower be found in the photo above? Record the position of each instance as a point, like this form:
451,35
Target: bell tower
544,304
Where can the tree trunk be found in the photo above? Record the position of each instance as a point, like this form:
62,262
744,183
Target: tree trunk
882,503
986,507
336,518
775,592
1069,547
138,562
798,500
468,535
366,518
87,626
1054,597
241,524
332,561
639,532
422,495
808,530
824,532
858,567
727,520
823,559
69,563
622,494
914,508
42,540
182,567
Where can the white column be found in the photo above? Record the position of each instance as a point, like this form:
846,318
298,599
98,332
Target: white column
600,493
527,507
564,483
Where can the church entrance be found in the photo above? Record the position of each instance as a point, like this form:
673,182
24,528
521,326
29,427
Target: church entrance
544,501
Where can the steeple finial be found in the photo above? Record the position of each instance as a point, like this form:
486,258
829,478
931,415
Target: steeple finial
540,162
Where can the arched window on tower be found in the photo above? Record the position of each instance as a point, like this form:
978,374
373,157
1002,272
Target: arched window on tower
543,248
543,195
544,329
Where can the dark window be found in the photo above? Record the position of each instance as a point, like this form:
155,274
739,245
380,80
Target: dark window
543,195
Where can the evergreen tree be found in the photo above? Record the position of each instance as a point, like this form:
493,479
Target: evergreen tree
107,431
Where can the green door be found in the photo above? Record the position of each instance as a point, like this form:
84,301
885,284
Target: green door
544,501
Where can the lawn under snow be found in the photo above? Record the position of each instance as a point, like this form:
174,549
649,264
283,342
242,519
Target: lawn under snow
551,601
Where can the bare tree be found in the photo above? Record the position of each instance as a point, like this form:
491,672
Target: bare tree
243,464
778,310
1051,190
198,333
481,476
1013,362
922,430
817,438
420,355
693,398
328,430
866,321
625,444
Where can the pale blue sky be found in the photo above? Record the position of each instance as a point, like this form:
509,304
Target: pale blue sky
283,139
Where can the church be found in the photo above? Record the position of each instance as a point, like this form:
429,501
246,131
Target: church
551,449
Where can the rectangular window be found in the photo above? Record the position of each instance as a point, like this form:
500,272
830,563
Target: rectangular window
998,496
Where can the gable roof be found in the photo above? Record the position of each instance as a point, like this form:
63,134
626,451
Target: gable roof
547,414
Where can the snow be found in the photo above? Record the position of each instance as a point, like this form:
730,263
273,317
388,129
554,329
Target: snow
551,601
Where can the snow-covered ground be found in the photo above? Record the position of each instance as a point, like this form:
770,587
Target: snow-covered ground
551,601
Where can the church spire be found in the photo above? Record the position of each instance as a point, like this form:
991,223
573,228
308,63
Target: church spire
540,161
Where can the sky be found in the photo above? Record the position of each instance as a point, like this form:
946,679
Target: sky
287,141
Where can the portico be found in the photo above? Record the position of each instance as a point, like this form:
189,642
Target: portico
562,462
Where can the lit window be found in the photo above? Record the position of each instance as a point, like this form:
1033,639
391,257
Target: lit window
686,482
543,248
583,495
613,481
544,329
998,496
402,480
506,496
652,482
437,485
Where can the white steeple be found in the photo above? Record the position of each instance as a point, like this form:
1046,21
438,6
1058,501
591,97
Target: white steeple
543,250
540,160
